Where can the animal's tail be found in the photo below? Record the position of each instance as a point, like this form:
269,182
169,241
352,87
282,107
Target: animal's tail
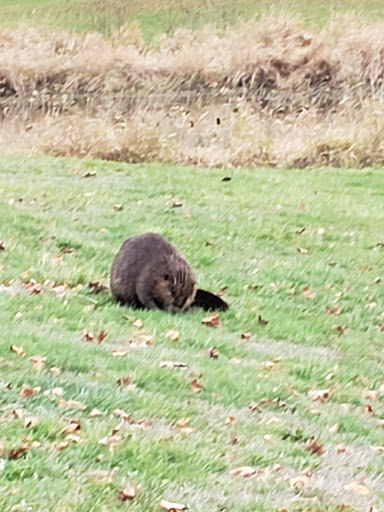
209,301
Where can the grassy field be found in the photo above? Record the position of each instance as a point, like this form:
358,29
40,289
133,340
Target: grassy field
165,16
296,392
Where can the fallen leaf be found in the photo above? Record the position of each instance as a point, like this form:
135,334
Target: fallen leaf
2,246
253,406
71,427
19,351
33,287
110,441
314,447
89,174
128,493
17,413
245,335
118,353
95,413
173,335
30,422
212,321
195,386
74,438
98,287
308,293
176,203
268,438
243,471
340,448
358,488
319,394
38,362
340,328
62,445
212,352
182,422
17,453
334,428
127,383
87,335
229,420
55,370
371,394
261,321
303,250
100,336
27,391
138,323
300,481
332,310
119,413
172,364
172,507
117,207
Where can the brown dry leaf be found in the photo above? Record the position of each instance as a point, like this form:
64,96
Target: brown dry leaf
173,335
17,413
212,321
2,246
30,422
87,335
38,362
229,420
128,493
212,352
62,445
314,447
117,207
138,323
97,287
100,336
340,328
19,351
111,441
340,448
172,364
243,471
33,287
17,453
27,391
71,427
182,422
119,413
304,250
95,413
261,321
118,353
308,293
75,438
172,507
253,406
332,310
55,370
127,383
371,394
300,481
358,488
334,428
245,335
195,386
319,394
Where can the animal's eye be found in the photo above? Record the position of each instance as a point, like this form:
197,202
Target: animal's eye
166,277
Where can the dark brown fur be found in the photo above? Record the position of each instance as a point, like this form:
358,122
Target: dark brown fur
149,272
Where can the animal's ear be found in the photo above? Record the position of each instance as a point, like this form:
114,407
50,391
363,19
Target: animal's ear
209,301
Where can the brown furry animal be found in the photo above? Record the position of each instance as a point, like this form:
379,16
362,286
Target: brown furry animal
149,272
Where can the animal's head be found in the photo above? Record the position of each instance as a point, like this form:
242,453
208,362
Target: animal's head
175,286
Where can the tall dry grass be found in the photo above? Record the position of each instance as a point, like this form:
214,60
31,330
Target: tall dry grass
268,93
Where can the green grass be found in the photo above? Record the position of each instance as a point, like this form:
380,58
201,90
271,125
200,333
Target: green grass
58,225
165,16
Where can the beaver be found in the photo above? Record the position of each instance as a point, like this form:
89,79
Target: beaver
149,272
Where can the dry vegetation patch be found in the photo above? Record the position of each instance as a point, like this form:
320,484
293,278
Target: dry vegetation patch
267,93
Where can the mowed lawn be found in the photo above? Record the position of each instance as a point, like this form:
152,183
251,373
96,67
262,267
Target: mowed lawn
279,407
